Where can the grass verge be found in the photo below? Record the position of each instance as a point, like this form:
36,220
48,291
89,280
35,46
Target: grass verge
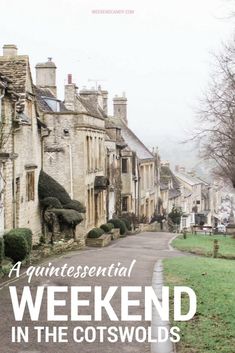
203,245
212,330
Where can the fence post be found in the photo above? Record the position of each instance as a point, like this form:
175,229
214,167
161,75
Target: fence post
215,248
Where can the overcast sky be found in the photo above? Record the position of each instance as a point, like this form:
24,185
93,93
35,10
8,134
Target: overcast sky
160,55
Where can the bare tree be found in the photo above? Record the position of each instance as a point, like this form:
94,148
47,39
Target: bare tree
215,133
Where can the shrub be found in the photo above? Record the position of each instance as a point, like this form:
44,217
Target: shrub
107,227
26,233
51,202
70,217
16,246
132,219
75,205
175,215
1,251
48,187
119,224
52,194
95,233
127,223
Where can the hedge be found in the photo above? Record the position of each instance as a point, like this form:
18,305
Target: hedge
127,223
26,233
107,227
49,187
95,233
51,202
16,246
75,205
52,194
119,224
70,217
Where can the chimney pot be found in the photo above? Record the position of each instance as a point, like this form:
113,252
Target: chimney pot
70,80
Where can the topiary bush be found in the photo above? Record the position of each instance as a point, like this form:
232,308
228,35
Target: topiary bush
131,218
107,227
119,224
52,194
51,202
75,205
127,223
1,252
95,233
15,246
49,187
26,233
70,217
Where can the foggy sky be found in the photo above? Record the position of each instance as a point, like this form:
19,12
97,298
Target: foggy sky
160,55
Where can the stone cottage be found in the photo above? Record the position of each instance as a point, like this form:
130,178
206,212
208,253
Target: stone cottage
21,153
74,152
138,172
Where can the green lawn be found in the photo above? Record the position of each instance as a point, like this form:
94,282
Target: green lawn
203,245
212,330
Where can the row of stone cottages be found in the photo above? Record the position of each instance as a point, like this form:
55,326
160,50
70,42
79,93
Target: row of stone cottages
96,157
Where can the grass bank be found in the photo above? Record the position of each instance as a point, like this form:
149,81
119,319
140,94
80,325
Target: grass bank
203,245
213,280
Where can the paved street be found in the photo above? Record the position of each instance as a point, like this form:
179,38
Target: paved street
146,248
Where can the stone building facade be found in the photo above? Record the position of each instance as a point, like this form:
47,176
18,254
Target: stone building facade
20,171
138,169
74,152
97,158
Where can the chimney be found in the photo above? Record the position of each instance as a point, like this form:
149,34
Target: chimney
182,169
70,93
70,79
120,107
105,101
46,75
9,50
94,96
177,168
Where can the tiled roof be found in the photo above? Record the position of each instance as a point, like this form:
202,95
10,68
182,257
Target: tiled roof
16,69
174,193
131,139
191,180
166,174
91,106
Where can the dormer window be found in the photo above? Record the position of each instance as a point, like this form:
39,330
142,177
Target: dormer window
53,103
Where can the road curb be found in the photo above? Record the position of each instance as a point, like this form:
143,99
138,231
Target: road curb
157,283
171,240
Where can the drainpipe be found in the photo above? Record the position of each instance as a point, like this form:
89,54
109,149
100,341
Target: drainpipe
108,189
138,199
3,94
71,170
42,147
14,172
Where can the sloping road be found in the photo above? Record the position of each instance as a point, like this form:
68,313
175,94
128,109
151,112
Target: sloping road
146,248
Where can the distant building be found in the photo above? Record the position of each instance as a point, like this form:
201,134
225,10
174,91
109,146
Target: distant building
195,199
138,172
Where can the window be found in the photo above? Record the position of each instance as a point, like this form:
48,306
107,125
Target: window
88,153
125,204
30,186
198,202
124,165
